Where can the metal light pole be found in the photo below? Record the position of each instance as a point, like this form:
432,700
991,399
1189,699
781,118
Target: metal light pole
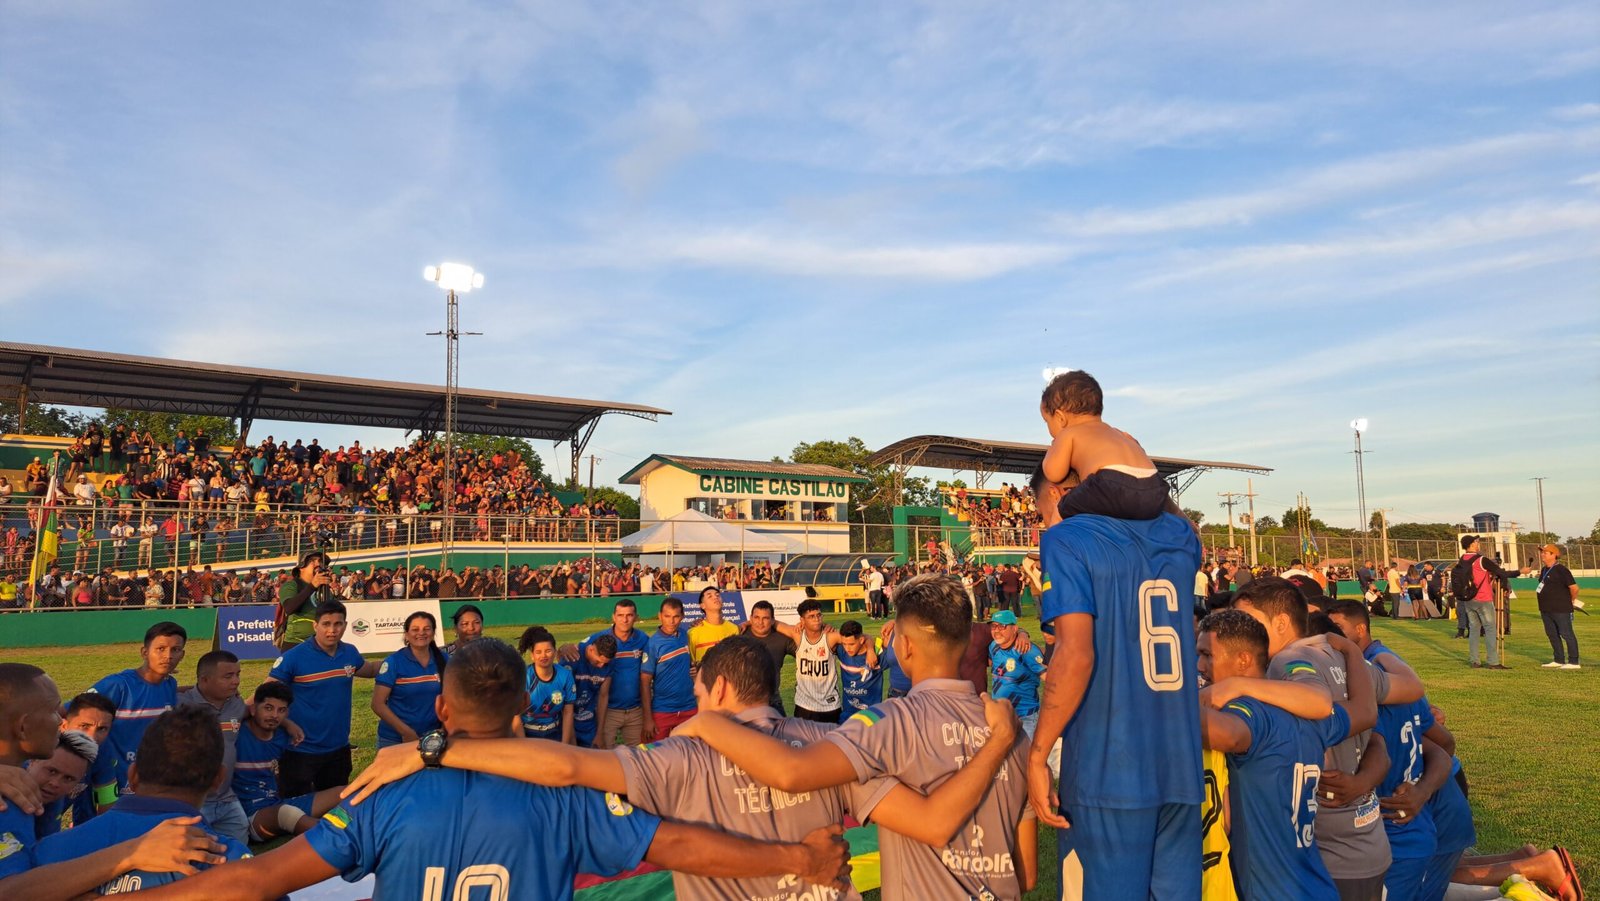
1359,426
453,278
1539,481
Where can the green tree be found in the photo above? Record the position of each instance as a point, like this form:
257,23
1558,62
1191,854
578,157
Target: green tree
869,502
1594,533
164,427
45,420
1266,522
1195,516
627,506
496,444
1538,538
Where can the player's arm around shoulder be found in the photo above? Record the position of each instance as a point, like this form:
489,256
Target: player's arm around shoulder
1307,700
777,764
538,762
1231,728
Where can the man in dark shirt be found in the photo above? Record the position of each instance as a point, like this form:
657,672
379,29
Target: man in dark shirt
763,628
1010,590
1558,595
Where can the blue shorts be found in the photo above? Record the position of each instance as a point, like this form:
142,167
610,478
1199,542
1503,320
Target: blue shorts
1403,882
1436,878
1148,853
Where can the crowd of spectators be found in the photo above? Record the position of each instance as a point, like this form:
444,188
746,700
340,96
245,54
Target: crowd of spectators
164,505
204,585
1004,519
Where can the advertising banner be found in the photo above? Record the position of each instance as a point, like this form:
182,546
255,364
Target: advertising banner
379,627
246,631
785,603
733,609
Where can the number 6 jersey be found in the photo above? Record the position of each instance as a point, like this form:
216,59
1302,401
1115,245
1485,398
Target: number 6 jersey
1135,740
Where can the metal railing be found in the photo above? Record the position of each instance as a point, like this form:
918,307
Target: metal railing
241,539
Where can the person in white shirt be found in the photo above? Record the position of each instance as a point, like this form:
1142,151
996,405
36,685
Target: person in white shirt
83,492
121,531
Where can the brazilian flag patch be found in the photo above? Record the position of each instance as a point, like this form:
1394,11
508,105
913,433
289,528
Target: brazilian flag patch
1297,667
338,818
868,717
1044,583
1239,708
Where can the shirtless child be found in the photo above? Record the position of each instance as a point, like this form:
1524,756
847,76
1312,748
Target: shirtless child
1118,477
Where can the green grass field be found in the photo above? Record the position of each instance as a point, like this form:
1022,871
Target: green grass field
1524,736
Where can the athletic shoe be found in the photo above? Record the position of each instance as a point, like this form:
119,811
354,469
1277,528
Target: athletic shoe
1571,666
1518,888
1552,665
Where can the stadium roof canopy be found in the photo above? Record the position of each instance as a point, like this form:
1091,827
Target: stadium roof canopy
985,457
720,466
94,378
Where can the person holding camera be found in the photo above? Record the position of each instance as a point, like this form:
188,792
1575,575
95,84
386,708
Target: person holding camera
300,597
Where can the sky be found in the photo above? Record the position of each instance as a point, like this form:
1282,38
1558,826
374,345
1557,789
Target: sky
785,222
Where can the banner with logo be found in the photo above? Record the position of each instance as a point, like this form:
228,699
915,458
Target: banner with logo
246,630
379,627
736,605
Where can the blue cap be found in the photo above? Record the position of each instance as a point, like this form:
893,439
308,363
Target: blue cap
1004,618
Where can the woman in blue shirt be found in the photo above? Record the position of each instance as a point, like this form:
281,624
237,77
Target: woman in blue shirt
408,683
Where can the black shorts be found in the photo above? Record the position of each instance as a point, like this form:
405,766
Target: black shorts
300,773
1118,495
817,716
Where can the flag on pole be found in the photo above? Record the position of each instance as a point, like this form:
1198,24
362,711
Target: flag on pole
47,529
1308,546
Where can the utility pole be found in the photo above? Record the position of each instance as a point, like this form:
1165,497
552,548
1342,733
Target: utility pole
1383,525
1229,502
1539,481
1250,495
592,459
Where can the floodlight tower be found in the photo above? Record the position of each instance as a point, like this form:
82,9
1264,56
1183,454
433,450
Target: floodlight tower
454,278
1359,426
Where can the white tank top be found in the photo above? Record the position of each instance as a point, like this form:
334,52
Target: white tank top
816,681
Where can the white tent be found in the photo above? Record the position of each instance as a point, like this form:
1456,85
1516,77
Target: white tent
693,532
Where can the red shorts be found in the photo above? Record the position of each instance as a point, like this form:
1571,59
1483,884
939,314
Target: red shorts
666,722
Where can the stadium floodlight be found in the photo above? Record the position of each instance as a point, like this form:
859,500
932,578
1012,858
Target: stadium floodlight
1050,372
458,277
455,279
1359,425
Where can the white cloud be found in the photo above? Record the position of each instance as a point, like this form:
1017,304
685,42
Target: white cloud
1450,233
1334,183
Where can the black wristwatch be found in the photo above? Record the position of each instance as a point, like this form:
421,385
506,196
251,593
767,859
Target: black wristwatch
431,746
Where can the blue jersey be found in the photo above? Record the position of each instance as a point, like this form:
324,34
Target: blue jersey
18,835
666,659
138,704
1452,816
255,771
1135,740
587,680
1401,726
413,687
546,701
862,685
625,667
448,828
322,683
101,786
1273,791
1016,676
130,817
899,682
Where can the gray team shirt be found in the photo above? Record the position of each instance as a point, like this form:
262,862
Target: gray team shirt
685,781
230,717
921,740
1352,840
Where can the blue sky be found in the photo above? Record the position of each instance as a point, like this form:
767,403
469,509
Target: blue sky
1252,222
